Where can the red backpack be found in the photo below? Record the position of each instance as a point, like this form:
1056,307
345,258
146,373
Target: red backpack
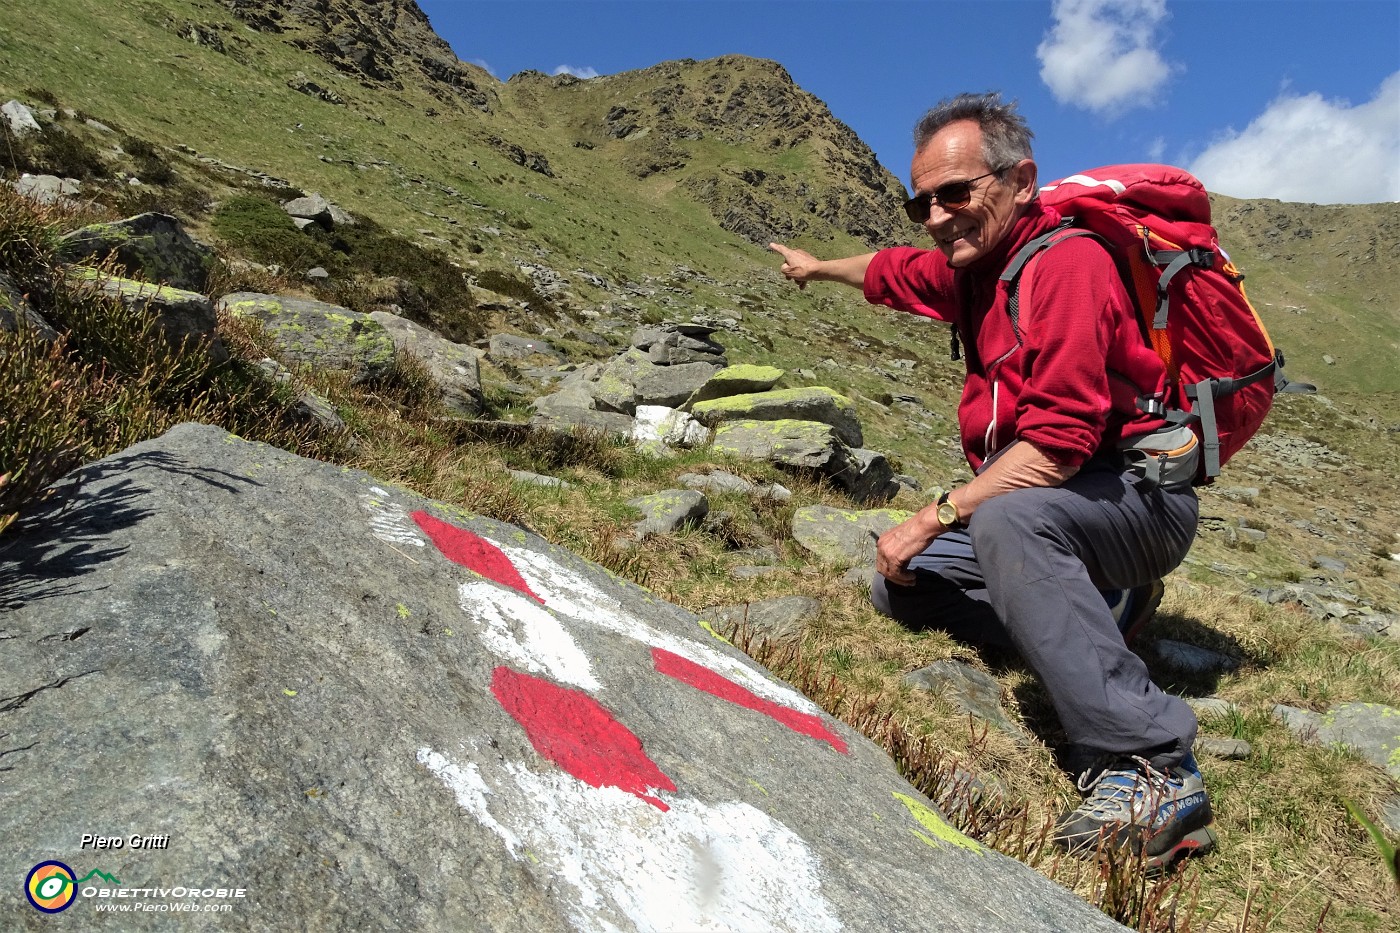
1222,368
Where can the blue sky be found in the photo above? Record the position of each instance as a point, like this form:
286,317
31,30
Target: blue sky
1291,99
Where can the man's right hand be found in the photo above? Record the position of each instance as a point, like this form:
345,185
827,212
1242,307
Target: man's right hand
798,264
802,267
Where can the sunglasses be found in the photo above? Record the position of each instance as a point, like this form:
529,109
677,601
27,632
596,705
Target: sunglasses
952,197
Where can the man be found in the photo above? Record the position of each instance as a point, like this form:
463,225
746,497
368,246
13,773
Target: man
1053,527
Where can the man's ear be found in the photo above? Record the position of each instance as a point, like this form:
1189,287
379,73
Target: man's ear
1023,181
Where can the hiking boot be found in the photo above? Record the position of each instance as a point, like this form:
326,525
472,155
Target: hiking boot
1133,609
1161,815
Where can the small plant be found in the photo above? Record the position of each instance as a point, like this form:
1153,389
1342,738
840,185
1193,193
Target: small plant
1388,853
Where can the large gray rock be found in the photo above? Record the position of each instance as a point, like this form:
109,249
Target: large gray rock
184,317
806,445
668,346
668,511
868,476
573,407
736,380
1372,730
19,119
150,246
48,189
455,368
841,536
316,209
811,403
632,379
372,711
318,334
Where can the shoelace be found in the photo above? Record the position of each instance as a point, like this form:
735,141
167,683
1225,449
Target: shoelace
1115,789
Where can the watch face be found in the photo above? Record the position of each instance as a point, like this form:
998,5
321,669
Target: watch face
948,514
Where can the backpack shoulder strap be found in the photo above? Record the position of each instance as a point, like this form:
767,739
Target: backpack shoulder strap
1012,274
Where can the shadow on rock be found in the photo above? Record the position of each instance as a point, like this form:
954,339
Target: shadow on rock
67,537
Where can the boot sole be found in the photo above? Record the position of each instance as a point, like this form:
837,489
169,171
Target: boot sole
1195,843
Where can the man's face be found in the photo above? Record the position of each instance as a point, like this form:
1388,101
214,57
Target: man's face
954,154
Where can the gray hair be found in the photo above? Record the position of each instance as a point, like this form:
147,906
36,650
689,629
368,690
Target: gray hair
1006,139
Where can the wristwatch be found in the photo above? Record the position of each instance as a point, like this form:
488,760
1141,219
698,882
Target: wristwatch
948,515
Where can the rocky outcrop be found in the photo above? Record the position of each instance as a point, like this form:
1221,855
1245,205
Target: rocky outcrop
314,208
316,333
455,368
363,709
153,247
812,428
812,403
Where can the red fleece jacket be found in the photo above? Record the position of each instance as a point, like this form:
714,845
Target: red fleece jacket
1070,385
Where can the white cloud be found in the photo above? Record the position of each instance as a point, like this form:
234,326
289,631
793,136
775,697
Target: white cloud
483,63
1101,55
1306,148
576,72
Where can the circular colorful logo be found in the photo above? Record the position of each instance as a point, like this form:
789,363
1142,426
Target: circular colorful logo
50,887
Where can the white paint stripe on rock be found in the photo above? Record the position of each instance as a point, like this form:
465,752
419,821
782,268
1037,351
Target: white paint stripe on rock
523,632
389,522
571,594
628,865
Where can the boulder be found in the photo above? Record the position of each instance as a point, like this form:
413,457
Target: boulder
668,511
841,536
736,380
668,346
318,210
631,379
808,445
717,481
671,385
48,189
367,710
868,476
811,403
454,367
184,317
16,312
669,427
573,407
1372,730
19,119
318,334
149,246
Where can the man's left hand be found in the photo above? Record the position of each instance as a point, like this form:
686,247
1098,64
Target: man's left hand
902,543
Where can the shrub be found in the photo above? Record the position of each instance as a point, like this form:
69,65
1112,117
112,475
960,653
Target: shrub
52,152
260,230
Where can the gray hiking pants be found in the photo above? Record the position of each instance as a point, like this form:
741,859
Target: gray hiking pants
1028,573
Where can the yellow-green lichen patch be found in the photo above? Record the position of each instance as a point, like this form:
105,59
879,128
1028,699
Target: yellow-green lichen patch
705,624
934,823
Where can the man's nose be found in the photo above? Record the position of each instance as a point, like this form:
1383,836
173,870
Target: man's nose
937,217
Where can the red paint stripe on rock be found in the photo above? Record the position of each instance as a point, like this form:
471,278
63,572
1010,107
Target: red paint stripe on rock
473,552
578,734
702,678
